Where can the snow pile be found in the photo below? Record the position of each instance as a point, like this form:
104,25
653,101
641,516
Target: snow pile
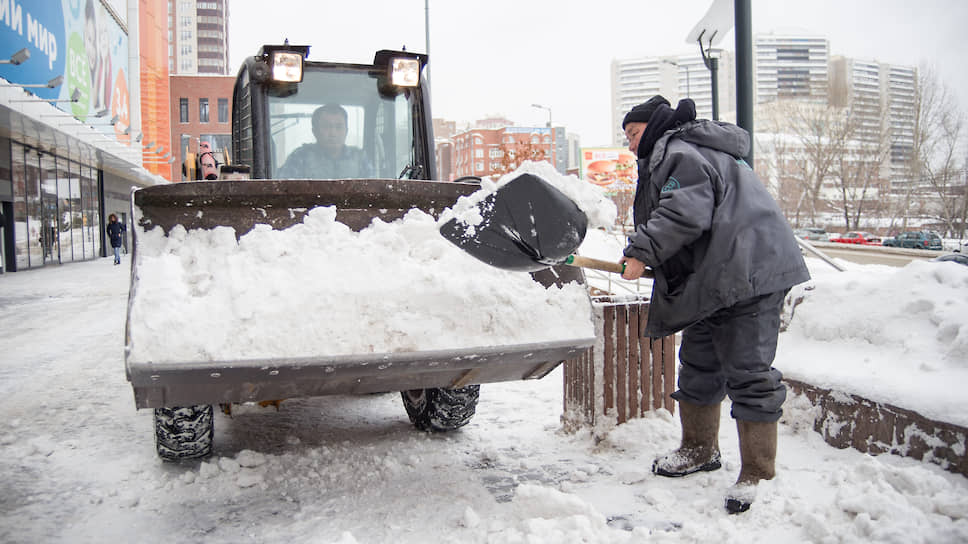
884,501
320,289
542,515
892,335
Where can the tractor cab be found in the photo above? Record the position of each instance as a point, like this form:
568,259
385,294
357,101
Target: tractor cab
297,119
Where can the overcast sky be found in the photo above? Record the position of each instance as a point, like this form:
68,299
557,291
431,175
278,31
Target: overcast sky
500,56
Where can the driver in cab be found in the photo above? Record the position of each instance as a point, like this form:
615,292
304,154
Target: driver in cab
329,157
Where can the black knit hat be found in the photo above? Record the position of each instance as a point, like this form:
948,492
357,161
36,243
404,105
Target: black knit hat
643,112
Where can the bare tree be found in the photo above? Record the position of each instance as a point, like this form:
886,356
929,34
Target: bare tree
864,146
623,196
937,165
777,167
515,153
810,141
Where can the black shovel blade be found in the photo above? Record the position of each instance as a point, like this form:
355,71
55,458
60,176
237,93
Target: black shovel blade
528,225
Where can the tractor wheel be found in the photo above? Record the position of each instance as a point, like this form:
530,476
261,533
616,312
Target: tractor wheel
440,410
184,432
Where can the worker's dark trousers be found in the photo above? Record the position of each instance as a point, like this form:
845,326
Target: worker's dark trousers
731,353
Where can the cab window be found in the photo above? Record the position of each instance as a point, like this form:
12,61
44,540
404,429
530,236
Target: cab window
336,124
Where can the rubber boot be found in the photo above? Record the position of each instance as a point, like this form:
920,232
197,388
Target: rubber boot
757,449
699,449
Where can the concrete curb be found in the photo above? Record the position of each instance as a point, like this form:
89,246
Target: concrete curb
847,420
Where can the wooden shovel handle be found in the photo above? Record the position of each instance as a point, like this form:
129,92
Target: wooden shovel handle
598,264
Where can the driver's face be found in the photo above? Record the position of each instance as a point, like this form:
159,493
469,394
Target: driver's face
332,130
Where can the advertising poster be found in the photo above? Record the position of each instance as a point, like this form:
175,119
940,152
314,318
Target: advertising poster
613,168
77,39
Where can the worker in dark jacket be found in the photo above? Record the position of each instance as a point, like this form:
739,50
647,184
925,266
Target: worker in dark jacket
724,257
115,230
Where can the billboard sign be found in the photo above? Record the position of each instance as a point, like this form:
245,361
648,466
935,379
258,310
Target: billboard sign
77,39
613,168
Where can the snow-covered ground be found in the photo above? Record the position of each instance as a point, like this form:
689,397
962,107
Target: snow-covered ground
78,462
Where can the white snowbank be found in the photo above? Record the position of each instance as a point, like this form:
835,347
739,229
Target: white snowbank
893,335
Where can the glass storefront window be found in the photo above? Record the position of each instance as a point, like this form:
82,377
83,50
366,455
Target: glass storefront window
92,215
35,228
72,216
55,208
50,209
22,238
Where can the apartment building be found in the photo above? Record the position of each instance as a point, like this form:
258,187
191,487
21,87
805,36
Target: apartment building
200,120
882,98
635,80
790,66
198,37
493,151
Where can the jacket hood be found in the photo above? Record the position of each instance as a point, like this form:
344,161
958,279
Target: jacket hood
725,137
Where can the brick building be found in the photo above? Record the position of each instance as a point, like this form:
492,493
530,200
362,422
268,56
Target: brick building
495,151
200,112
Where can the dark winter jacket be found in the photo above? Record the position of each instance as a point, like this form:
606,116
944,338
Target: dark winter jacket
706,225
115,231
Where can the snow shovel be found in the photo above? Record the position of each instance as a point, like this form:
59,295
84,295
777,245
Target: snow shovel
528,225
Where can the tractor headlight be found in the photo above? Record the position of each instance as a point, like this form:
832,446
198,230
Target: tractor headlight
405,72
287,66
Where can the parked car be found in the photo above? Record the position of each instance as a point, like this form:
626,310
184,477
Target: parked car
814,234
858,237
918,239
959,258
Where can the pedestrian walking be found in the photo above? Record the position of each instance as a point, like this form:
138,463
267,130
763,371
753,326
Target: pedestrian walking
116,230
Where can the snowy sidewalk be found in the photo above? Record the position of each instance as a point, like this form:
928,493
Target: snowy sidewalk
79,463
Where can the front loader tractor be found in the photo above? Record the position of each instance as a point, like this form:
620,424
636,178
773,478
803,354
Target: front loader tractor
358,137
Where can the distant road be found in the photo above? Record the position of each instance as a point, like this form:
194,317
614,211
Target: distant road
873,254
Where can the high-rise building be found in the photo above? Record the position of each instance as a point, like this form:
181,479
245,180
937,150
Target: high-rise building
787,66
791,66
198,37
201,86
574,152
870,102
881,96
902,84
635,80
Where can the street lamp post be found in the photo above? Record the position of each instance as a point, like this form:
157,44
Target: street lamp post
539,106
711,29
52,83
551,130
17,58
